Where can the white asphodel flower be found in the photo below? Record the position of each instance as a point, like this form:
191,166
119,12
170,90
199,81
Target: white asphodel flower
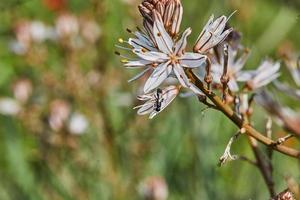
212,34
235,65
157,101
265,74
166,59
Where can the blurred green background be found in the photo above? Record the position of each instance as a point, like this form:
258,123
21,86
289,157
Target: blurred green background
68,130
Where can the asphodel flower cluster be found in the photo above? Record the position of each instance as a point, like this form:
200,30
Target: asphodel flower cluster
161,54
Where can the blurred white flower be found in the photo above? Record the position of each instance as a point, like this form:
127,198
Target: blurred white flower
22,90
91,31
267,72
235,65
213,34
9,106
40,32
23,33
295,93
67,25
59,113
78,124
154,188
157,101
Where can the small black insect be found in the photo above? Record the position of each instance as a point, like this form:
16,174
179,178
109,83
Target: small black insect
158,100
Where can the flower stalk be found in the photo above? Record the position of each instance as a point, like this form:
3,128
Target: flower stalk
249,130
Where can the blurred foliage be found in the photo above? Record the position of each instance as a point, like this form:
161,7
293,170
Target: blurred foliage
119,149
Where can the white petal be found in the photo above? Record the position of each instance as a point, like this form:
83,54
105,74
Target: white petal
210,21
139,44
146,108
181,76
177,18
245,75
144,97
156,79
151,56
160,69
181,44
261,83
169,93
137,63
219,24
192,60
266,70
162,38
144,38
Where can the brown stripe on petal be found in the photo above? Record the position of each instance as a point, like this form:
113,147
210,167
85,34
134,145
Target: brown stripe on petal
206,42
148,27
170,7
223,18
143,47
160,8
177,17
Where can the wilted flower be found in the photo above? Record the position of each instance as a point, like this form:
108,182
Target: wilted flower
170,58
266,73
78,124
154,188
157,101
9,106
213,34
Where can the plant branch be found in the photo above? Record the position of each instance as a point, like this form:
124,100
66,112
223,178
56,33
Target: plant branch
240,122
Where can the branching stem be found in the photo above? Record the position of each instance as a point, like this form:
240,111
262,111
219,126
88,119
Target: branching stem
239,122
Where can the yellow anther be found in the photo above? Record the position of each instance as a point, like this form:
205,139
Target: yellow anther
121,40
124,61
